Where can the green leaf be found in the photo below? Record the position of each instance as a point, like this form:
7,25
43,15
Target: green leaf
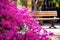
57,4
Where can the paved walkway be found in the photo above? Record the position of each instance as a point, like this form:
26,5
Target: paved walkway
55,31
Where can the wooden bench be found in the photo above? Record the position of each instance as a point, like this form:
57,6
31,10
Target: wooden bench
40,14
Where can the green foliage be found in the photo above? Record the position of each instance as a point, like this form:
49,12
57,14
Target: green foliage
41,0
56,2
23,2
15,0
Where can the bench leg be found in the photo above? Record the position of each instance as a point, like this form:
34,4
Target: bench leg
52,24
41,23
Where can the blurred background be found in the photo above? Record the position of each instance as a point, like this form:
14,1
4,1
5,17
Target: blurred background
41,5
44,5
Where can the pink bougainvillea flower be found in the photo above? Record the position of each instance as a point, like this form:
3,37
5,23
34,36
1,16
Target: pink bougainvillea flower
13,20
1,36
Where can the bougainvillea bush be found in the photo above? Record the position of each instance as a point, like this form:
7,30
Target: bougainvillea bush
13,20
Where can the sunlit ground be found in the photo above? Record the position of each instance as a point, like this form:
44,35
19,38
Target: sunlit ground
55,31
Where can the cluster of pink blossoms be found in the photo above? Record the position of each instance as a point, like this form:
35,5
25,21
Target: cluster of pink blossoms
12,20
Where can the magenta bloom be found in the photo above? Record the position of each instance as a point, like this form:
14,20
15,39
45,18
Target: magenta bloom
13,20
1,36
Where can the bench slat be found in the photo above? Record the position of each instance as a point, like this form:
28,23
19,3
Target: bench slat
47,18
45,13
